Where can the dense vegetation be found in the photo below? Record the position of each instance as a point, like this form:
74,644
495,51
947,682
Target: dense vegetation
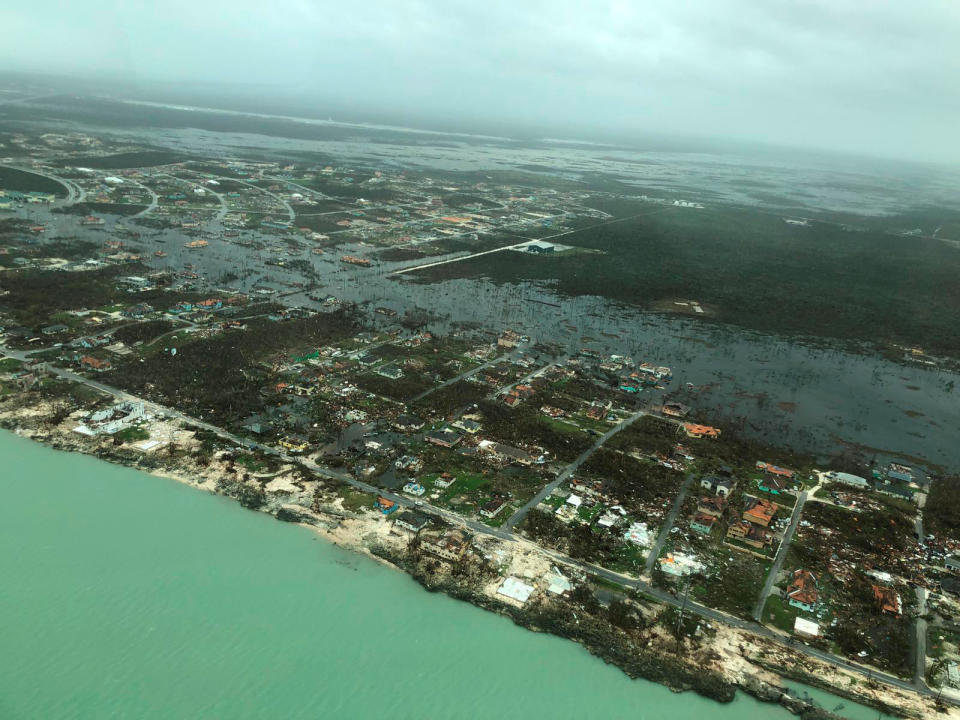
755,271
447,401
861,627
525,425
119,161
142,332
651,435
941,513
35,294
23,181
633,482
220,376
577,540
889,526
95,208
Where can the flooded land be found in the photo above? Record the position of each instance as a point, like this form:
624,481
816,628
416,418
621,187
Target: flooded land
682,407
790,356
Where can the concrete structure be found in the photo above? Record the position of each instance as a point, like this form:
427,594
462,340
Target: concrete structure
679,565
515,589
638,534
412,522
847,479
806,628
414,488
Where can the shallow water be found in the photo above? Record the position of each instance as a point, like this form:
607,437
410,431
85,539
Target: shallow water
773,388
130,596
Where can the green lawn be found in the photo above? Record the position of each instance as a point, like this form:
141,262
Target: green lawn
554,501
133,434
251,463
559,425
629,558
355,500
10,364
589,423
589,514
779,613
500,517
467,483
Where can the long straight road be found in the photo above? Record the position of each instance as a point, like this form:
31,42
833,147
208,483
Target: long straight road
920,641
526,378
512,521
781,555
503,533
668,523
469,373
760,630
546,238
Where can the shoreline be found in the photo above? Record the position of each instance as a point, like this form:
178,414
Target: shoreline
727,661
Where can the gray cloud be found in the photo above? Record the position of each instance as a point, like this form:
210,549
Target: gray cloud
878,77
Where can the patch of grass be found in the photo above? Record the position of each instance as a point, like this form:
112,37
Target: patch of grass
779,614
24,181
251,463
134,433
355,500
119,161
10,364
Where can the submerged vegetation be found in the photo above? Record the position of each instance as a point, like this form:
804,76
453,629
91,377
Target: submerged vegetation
752,269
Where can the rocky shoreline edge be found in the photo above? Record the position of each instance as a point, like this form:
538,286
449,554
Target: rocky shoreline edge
680,673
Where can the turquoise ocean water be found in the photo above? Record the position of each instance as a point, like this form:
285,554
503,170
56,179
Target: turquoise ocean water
124,595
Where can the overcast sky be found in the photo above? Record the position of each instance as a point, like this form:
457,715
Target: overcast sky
859,75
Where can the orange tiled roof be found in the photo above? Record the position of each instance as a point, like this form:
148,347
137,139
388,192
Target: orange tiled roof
887,599
803,588
694,429
760,512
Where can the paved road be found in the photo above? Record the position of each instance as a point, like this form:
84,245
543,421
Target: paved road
781,554
74,192
504,534
921,499
668,523
221,212
512,521
920,644
739,623
526,378
286,206
469,373
423,266
154,198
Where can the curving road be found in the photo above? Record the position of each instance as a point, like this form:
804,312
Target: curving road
74,192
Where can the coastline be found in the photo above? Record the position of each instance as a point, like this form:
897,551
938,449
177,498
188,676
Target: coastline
729,660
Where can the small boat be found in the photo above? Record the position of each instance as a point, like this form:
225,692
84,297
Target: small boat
159,253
